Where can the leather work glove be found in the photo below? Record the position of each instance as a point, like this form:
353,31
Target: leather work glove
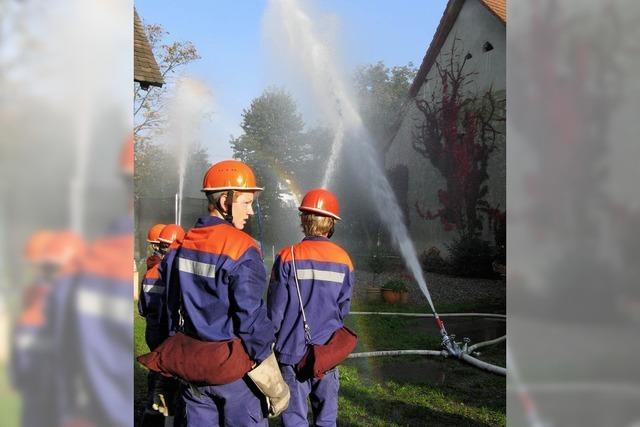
159,398
268,379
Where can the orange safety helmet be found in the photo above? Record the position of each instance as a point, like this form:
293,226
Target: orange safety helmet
171,233
127,156
322,202
36,244
154,233
64,247
230,175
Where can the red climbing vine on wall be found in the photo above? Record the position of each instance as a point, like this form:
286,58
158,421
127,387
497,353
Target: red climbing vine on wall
458,135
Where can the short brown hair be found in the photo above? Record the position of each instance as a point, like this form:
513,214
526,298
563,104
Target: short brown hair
214,199
315,225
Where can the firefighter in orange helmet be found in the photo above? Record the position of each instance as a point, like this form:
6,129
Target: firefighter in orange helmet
215,290
151,306
172,234
52,255
88,317
152,292
318,273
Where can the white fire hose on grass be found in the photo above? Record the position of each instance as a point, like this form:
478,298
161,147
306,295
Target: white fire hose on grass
450,347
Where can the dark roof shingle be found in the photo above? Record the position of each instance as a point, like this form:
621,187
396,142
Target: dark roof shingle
145,68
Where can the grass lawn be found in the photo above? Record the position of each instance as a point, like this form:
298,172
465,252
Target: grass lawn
9,401
413,390
486,306
401,390
139,371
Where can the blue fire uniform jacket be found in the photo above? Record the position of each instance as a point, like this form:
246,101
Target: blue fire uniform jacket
92,326
151,306
325,275
215,281
30,348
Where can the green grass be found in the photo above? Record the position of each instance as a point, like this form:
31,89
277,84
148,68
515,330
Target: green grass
485,306
367,400
139,371
392,333
402,390
10,404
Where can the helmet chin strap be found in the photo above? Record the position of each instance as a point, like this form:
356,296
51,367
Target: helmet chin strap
228,215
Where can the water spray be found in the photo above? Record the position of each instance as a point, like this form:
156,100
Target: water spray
294,28
312,55
176,209
187,109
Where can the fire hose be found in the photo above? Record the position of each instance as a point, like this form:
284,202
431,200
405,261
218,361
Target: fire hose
450,347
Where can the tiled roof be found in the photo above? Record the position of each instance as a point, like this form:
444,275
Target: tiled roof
497,7
145,67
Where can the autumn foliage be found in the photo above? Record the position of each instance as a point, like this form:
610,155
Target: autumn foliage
457,135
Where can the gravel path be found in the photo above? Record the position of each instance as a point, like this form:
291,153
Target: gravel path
443,289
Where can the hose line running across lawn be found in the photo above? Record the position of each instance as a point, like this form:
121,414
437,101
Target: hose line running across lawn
387,313
462,355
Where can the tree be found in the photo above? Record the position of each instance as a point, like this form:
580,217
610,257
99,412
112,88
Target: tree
156,173
285,157
272,144
382,94
155,167
458,135
148,106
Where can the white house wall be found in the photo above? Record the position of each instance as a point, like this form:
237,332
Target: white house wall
474,26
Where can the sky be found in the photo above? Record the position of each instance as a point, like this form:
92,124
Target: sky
236,66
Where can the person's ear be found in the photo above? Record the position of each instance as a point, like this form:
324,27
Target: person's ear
222,203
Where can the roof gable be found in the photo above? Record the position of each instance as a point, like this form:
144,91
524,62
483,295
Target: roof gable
497,7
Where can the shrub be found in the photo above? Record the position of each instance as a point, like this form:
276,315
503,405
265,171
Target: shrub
377,262
395,285
471,257
432,261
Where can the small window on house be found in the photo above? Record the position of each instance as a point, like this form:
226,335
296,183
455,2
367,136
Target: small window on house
486,47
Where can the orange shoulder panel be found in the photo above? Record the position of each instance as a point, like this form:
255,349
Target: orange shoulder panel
220,239
33,316
317,250
111,257
285,254
33,313
153,272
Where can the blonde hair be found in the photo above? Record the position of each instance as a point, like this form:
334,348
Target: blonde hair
315,225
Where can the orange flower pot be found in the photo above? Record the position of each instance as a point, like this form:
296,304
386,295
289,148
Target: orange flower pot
390,296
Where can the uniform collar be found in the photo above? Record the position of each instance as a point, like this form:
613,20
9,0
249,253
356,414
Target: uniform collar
209,220
316,238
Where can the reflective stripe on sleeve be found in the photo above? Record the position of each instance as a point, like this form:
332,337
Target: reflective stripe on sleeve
324,275
97,304
152,289
196,267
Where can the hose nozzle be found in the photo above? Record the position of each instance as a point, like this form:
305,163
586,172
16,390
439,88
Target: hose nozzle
448,343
